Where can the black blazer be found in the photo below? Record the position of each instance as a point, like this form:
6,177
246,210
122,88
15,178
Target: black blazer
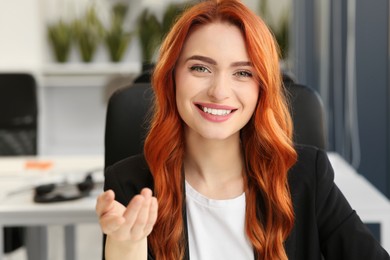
325,224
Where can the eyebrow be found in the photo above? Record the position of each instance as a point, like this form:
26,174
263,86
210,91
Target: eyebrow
202,58
242,63
213,62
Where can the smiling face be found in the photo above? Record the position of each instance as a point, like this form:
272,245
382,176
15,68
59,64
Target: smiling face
216,87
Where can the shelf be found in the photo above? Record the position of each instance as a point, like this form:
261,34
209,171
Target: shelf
86,74
57,69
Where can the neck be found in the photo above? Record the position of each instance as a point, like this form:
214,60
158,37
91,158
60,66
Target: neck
214,167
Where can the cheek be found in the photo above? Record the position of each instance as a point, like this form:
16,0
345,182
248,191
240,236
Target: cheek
179,99
187,87
183,96
179,86
250,97
182,91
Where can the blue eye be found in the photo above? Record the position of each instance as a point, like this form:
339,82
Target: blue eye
199,68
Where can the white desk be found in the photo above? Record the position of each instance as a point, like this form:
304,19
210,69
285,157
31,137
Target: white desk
19,209
371,205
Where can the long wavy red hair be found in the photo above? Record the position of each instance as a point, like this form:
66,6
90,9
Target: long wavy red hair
266,139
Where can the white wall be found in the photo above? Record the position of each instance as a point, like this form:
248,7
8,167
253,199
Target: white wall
20,35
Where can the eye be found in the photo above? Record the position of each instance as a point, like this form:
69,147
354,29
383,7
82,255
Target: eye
243,74
199,68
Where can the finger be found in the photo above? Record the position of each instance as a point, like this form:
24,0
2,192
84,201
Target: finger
136,204
104,202
120,222
150,212
153,212
146,192
111,223
122,229
138,228
133,209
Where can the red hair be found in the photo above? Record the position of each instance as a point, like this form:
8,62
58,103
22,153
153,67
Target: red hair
266,139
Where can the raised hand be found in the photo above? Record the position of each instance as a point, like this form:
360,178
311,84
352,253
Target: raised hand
130,224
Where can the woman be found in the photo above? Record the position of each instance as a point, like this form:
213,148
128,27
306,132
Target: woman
227,180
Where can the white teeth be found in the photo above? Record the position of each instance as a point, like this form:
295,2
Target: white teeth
216,112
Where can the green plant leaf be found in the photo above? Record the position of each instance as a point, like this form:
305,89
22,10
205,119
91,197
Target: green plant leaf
89,32
119,10
115,37
280,30
60,37
170,15
117,42
150,34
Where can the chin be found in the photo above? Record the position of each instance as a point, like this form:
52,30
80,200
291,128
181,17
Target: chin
218,136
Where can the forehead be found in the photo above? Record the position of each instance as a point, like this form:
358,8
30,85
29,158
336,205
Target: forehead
217,39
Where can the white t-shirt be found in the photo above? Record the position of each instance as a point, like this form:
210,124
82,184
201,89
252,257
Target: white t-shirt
216,228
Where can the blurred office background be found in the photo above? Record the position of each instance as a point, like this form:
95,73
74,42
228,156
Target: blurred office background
341,48
338,47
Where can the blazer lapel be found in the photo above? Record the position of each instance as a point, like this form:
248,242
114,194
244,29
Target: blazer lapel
290,245
184,214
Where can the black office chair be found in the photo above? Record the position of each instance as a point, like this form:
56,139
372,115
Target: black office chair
308,115
126,122
18,131
18,114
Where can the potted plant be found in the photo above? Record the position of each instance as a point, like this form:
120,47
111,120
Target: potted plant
172,11
282,34
88,34
151,31
150,34
60,37
280,29
115,37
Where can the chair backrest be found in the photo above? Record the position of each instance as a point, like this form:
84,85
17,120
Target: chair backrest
18,131
308,115
126,118
18,114
127,114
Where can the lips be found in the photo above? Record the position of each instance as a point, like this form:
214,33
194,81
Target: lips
214,112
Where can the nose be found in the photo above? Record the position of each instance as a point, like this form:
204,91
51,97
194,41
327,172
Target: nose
220,88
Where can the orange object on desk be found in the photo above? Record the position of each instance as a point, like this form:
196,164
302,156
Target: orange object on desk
38,165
